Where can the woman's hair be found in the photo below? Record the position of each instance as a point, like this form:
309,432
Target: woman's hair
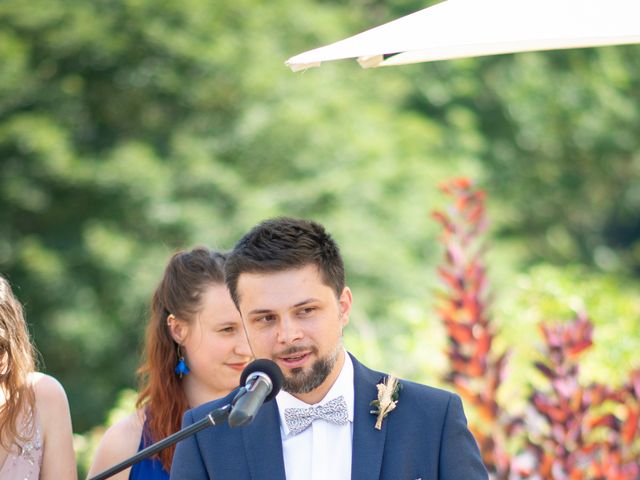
16,363
186,277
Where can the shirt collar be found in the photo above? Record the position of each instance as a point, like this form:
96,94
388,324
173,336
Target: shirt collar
342,386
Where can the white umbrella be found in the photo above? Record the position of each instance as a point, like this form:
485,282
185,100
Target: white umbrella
468,28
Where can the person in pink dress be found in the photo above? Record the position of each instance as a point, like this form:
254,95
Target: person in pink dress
36,440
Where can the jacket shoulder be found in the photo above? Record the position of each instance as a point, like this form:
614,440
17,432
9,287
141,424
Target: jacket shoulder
427,399
205,409
419,396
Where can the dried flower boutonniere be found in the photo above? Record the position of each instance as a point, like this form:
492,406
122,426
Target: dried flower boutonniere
388,393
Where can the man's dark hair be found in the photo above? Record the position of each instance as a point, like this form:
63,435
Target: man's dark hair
284,244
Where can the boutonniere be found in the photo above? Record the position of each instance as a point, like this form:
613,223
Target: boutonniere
388,393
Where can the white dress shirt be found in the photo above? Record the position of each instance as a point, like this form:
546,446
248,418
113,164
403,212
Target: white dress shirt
322,451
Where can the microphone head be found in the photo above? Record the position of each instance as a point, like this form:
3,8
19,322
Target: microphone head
270,369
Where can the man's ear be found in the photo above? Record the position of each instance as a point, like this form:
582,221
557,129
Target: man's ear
178,329
344,303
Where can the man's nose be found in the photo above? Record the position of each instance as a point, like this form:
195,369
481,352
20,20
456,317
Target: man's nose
242,347
289,330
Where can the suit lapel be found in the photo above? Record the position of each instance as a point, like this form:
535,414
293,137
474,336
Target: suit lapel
263,446
368,443
264,449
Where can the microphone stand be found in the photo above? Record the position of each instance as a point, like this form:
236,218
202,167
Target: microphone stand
215,417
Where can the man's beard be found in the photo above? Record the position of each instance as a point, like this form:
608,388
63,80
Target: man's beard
301,381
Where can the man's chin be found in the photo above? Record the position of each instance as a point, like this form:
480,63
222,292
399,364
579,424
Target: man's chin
294,375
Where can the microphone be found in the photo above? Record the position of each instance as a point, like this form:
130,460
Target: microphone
260,382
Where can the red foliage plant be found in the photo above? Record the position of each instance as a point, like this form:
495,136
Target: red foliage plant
568,431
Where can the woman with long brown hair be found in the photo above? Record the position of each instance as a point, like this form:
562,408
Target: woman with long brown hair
36,440
195,351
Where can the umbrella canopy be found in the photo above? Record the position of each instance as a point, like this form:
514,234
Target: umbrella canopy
469,28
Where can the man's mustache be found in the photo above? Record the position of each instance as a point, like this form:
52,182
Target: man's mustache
296,349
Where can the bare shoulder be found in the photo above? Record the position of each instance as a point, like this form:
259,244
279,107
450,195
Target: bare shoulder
52,409
47,388
127,430
120,441
51,399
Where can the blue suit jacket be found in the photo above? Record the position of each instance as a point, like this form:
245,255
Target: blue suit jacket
425,437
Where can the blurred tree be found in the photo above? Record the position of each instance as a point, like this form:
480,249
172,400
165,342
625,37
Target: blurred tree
131,128
557,135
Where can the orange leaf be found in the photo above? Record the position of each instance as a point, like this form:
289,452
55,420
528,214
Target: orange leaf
630,427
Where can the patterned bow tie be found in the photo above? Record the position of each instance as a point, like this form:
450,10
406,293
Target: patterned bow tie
299,419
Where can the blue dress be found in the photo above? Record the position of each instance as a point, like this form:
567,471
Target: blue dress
149,468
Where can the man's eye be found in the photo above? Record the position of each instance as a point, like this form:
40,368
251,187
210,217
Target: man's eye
228,330
307,311
266,319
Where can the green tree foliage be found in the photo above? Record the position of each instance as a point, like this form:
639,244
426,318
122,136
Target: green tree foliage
131,128
557,134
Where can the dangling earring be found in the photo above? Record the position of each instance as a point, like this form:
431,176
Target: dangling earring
181,367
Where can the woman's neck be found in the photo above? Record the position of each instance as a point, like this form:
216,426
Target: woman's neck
197,393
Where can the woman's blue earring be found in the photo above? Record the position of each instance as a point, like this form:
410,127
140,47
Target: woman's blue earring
181,368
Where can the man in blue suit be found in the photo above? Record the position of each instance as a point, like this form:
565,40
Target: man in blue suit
287,278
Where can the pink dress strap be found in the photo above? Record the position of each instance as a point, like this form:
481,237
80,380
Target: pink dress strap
25,459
